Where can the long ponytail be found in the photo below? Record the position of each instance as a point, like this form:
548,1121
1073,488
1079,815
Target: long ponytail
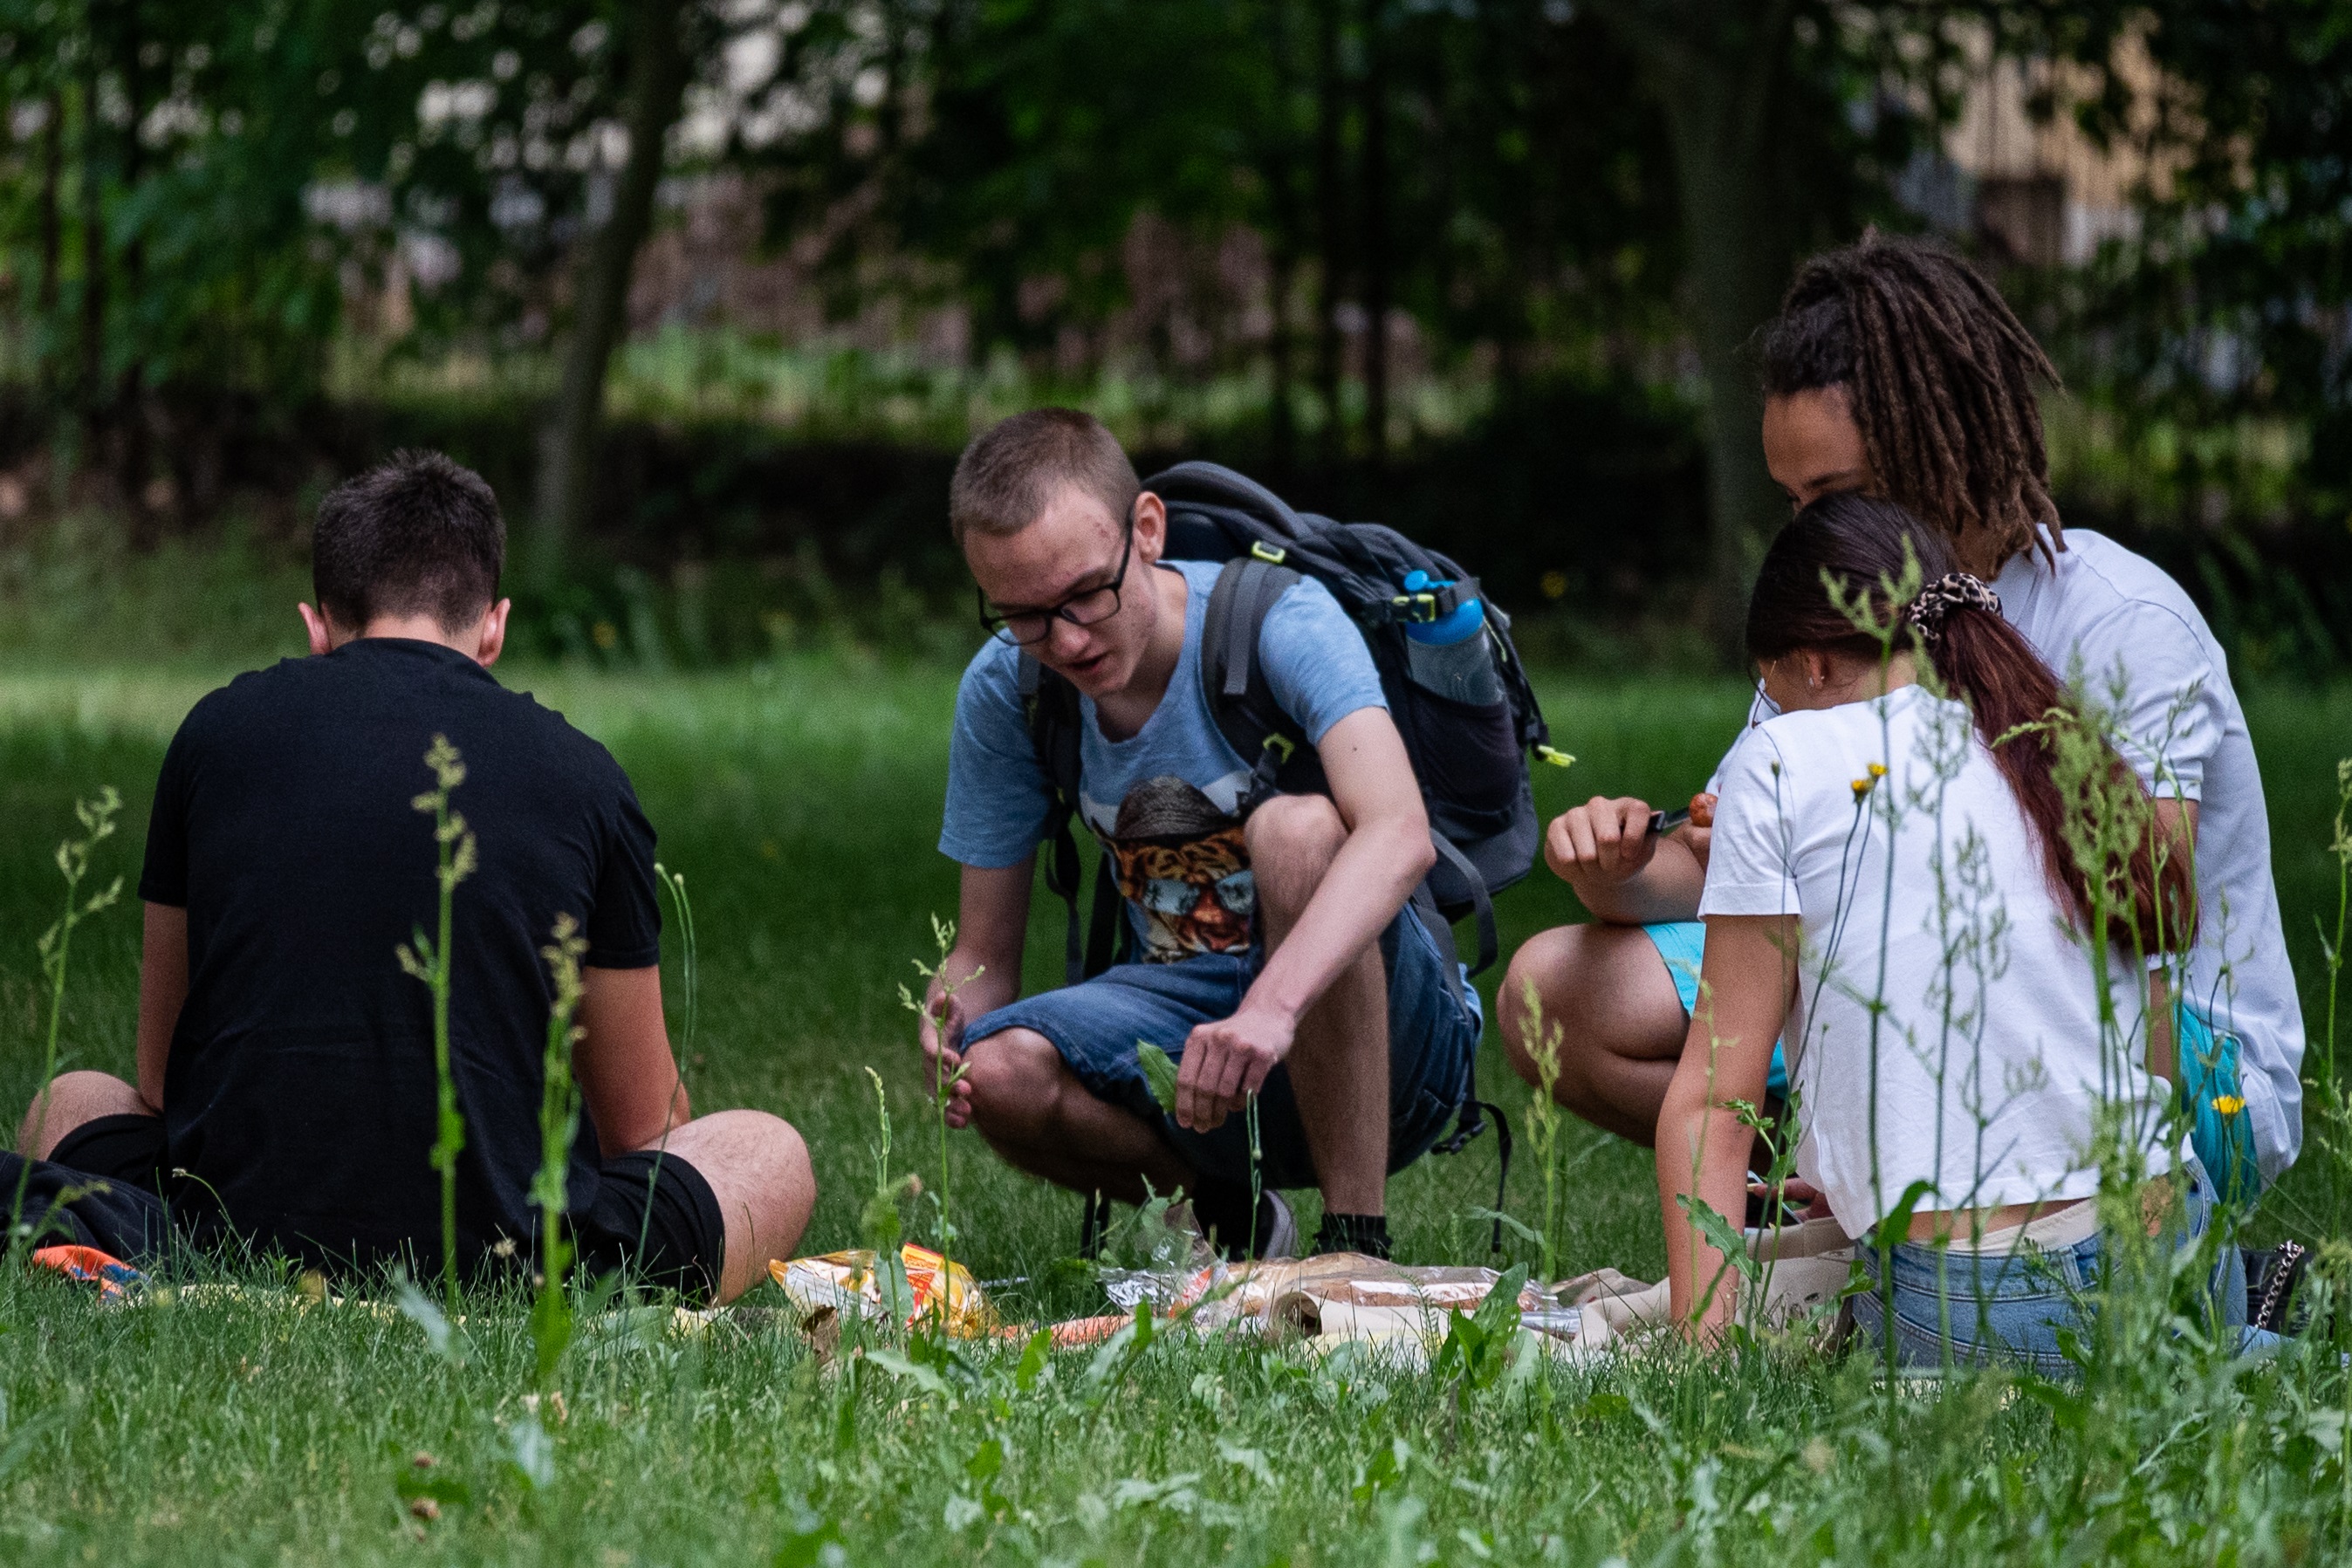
2019,708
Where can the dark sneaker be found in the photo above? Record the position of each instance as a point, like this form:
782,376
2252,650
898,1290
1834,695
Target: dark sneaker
1277,1228
1363,1233
1274,1232
1765,1214
1093,1226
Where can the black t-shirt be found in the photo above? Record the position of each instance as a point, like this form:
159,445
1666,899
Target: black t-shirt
300,1094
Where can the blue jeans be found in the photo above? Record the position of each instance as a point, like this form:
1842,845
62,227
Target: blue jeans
1433,1029
2009,1306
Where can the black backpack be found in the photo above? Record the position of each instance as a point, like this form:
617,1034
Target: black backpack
1471,760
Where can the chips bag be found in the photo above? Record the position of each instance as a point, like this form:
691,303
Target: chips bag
848,1282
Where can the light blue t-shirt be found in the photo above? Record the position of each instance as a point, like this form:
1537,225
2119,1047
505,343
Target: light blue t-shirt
1162,801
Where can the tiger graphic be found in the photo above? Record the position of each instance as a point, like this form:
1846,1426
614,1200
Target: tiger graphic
1183,865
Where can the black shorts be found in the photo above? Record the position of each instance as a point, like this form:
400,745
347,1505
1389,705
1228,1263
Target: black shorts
685,1236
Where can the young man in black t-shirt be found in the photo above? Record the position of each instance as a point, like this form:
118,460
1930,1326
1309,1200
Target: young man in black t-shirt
285,1092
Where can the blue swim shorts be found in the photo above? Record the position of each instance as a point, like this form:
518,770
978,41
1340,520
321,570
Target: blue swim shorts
1683,945
1433,1030
2221,1132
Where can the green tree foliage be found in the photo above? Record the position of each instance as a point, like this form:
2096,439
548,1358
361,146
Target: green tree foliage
1563,187
2235,295
197,197
151,192
1483,167
479,143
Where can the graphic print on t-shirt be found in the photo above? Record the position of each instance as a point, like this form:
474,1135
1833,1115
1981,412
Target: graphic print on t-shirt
1183,867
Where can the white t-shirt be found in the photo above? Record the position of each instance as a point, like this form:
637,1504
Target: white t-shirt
1932,898
2105,609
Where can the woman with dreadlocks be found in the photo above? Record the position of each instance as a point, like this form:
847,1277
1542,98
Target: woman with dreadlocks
1961,979
1895,370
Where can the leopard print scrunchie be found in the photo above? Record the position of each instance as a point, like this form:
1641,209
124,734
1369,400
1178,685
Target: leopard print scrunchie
1953,590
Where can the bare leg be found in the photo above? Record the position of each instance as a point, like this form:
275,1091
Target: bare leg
71,1100
1039,1116
1608,992
759,1169
1338,1063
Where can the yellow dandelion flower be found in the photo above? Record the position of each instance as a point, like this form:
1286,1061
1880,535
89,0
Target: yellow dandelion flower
1878,770
2228,1104
1861,788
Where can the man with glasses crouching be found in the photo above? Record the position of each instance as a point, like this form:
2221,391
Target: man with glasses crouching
1271,952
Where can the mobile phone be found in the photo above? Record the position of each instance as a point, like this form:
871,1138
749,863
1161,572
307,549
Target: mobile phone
1667,822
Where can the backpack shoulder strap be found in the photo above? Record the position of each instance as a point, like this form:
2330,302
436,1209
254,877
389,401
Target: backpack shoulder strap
1050,705
1234,683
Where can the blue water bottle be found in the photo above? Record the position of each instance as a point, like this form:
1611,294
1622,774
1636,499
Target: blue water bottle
1450,656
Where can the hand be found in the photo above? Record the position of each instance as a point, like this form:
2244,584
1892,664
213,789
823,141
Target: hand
1698,833
1810,1199
1600,842
942,1034
1226,1061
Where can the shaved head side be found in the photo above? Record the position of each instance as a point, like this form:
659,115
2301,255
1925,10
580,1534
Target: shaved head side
1009,473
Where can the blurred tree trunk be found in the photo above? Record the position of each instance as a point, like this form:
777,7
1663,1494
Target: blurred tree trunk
1719,70
1330,223
129,417
1283,248
660,64
52,242
1282,278
1375,186
52,224
90,392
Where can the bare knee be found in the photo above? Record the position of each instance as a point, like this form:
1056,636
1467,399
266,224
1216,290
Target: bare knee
1292,840
71,1100
757,1168
786,1176
1017,1078
1528,1004
783,1159
1601,995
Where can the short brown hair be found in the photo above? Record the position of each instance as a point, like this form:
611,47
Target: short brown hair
1009,472
419,536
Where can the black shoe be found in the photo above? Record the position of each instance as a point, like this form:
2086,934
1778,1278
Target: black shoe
1220,1212
1277,1228
1764,1214
1093,1226
1272,1232
2271,1281
1365,1233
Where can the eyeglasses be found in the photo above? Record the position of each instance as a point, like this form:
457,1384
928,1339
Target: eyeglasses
1087,607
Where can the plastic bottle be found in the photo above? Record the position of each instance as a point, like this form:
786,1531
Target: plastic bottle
1451,656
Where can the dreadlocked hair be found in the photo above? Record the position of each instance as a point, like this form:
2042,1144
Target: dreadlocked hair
1863,545
1941,378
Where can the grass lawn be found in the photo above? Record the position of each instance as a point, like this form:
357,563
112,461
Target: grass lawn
802,804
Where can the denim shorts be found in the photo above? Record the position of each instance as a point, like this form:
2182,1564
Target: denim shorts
2009,1307
1433,1030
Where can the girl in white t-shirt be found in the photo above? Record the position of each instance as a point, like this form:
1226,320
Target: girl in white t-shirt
1894,891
